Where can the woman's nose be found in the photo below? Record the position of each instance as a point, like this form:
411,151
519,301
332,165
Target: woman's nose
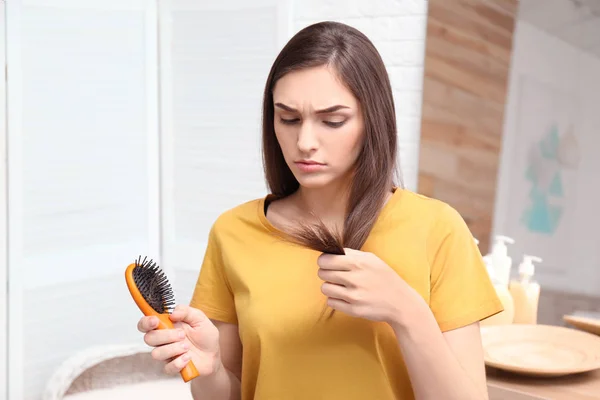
307,138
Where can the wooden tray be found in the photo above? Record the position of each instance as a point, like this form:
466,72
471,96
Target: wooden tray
540,350
588,324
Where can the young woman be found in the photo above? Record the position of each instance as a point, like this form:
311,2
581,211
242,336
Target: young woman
399,276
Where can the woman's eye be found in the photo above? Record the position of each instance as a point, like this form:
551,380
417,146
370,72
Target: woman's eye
289,121
293,121
334,124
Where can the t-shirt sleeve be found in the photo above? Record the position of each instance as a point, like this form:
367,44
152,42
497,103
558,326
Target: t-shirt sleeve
213,294
461,290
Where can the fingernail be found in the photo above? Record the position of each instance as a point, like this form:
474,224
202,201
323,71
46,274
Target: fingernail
181,334
186,357
185,345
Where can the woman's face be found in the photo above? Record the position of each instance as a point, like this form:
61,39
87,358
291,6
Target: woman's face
319,126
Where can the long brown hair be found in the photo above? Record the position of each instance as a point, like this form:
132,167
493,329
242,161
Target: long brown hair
358,64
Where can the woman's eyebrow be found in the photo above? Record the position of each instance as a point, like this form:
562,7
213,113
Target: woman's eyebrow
323,111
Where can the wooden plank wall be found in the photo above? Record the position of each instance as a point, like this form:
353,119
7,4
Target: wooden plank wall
467,61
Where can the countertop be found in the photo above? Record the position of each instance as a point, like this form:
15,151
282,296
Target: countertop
507,386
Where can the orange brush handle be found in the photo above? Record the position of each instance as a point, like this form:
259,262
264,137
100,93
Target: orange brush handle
188,372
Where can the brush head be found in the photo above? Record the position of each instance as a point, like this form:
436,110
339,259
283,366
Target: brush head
153,286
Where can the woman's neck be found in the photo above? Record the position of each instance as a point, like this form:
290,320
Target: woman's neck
328,204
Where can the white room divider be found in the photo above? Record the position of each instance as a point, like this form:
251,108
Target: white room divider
83,183
3,219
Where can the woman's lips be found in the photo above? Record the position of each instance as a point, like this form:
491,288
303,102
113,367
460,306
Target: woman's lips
309,166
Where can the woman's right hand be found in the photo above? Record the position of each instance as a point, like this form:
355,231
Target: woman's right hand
194,338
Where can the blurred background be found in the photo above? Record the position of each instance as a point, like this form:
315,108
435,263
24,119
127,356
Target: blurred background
128,126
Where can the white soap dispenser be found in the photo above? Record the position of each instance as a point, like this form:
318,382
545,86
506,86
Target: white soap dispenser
526,292
501,261
498,265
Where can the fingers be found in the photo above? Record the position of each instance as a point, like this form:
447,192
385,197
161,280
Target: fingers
177,364
146,324
171,345
352,252
334,262
190,315
341,305
337,277
170,351
163,336
334,291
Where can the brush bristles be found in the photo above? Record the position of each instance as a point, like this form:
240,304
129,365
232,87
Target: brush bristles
154,286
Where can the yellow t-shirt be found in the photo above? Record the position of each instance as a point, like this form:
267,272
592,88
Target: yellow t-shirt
270,288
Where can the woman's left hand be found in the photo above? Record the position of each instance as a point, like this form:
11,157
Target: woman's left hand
362,285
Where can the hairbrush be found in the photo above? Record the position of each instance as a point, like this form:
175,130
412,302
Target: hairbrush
154,296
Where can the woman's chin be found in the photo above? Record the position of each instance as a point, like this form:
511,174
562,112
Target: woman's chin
316,181
313,181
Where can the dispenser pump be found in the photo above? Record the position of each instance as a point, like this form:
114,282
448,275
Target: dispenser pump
499,249
527,268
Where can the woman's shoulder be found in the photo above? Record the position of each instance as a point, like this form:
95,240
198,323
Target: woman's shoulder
421,205
240,215
440,216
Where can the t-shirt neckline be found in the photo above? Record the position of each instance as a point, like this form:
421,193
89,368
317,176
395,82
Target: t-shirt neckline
396,191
